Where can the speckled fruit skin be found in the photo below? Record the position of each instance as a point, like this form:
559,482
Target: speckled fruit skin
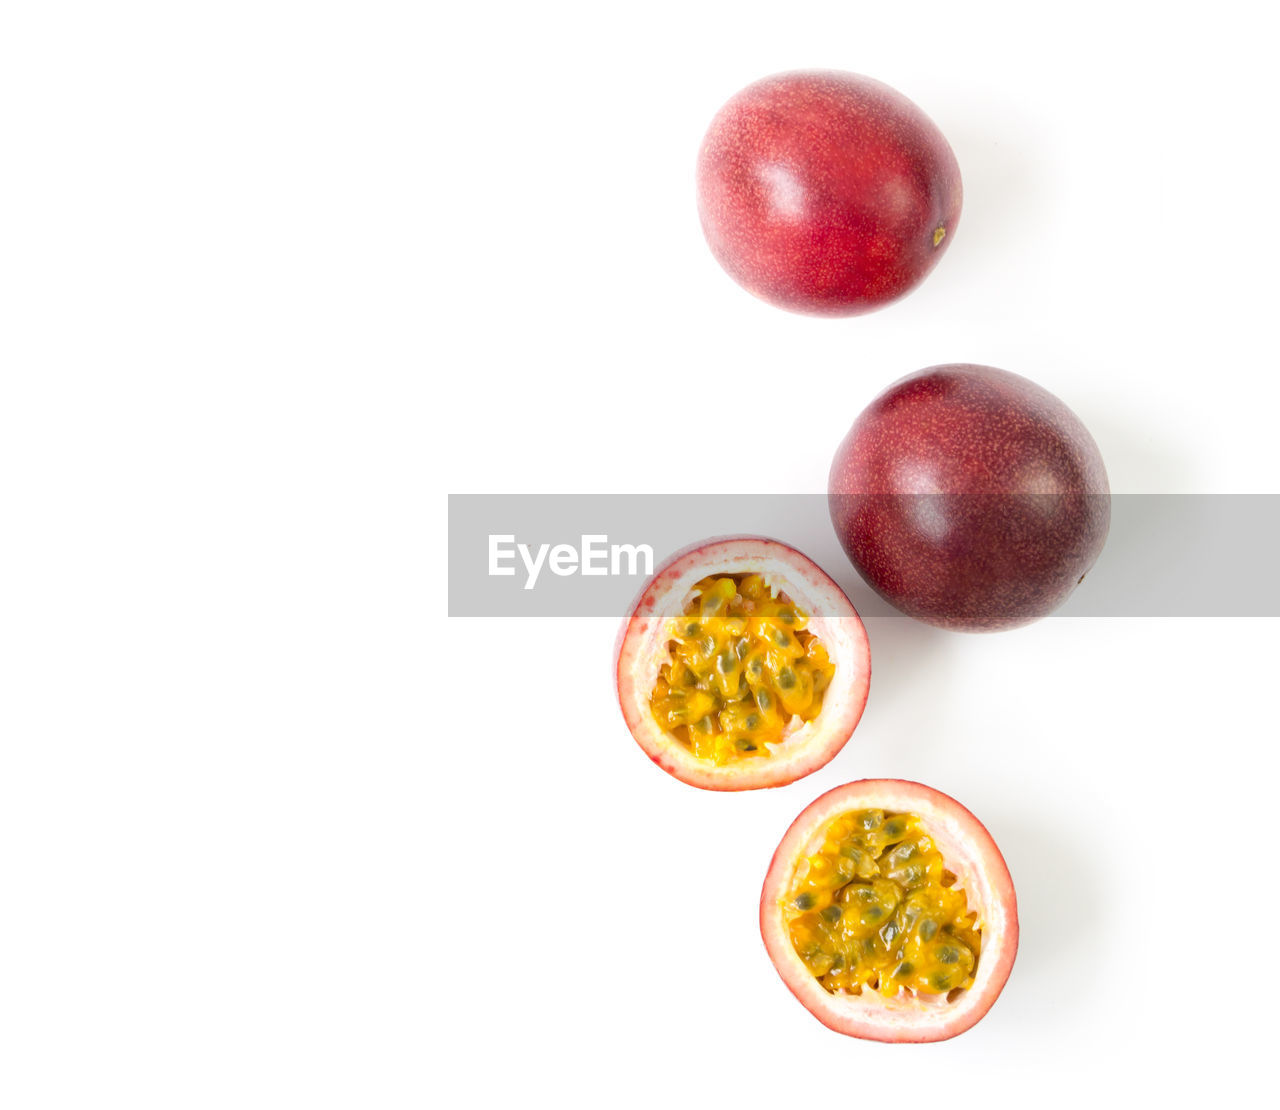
826,192
642,648
981,872
970,498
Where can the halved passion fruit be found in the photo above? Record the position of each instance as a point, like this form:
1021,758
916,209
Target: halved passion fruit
742,665
889,912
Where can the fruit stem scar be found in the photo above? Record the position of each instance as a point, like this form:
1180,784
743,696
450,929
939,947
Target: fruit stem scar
939,233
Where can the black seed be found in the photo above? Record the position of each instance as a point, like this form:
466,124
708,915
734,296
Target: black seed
872,913
895,827
780,638
787,616
725,661
928,927
745,745
787,678
753,721
693,628
831,913
838,962
763,700
903,970
804,901
947,955
940,980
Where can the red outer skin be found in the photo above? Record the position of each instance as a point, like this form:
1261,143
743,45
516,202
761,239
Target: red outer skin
820,192
1032,515
969,852
642,646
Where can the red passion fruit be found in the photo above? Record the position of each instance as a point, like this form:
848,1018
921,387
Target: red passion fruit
826,192
889,912
970,498
742,665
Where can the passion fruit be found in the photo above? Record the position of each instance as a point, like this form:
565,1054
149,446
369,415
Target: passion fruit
742,665
970,498
827,193
889,912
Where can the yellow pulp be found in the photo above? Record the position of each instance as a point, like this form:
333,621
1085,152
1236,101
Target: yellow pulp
875,907
741,668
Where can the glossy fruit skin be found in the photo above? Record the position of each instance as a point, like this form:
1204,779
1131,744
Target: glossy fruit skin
970,853
970,498
642,646
826,193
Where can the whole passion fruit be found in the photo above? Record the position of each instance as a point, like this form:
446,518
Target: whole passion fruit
889,912
970,498
742,665
826,192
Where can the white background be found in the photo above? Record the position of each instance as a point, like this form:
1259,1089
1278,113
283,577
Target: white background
276,277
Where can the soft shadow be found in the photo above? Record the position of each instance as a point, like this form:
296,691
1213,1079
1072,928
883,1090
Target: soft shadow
909,702
1139,456
1006,173
1060,912
905,655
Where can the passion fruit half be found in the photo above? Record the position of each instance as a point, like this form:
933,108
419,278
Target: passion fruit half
889,912
742,665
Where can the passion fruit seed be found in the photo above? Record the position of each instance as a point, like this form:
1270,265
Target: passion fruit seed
874,907
742,667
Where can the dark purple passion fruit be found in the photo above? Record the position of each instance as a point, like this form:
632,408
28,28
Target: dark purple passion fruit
970,498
